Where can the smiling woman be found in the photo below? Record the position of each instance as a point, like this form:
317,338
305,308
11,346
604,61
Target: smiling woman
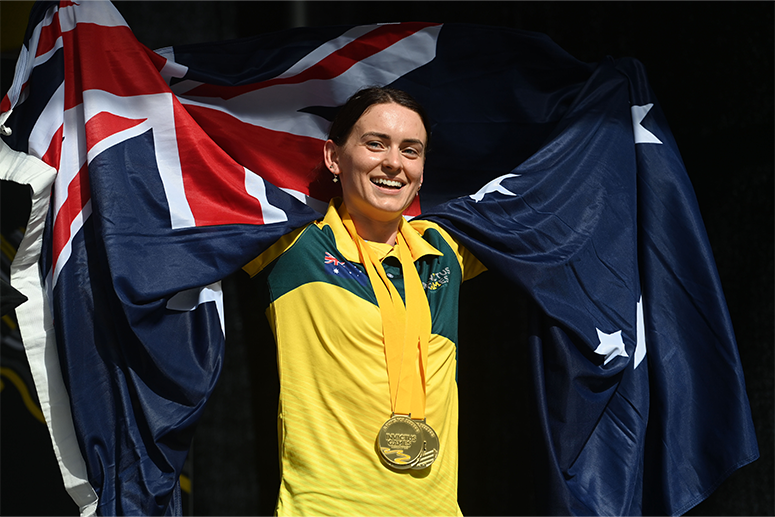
380,162
363,306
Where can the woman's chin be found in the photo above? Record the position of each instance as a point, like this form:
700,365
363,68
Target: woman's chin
380,208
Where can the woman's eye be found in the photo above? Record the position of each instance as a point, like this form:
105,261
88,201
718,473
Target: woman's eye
411,151
374,144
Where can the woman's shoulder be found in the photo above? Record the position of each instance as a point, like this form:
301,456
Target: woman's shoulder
440,238
282,246
423,226
435,234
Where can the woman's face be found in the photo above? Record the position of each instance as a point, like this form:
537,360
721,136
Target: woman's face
381,163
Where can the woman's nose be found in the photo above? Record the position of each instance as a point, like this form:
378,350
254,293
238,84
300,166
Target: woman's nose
393,159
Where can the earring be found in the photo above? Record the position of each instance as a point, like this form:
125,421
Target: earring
336,178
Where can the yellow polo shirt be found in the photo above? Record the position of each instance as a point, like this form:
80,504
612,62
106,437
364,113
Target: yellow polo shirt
334,394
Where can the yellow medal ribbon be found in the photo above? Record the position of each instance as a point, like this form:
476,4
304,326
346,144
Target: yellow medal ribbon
406,327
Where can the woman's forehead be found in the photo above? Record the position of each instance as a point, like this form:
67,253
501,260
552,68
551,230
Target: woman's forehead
391,119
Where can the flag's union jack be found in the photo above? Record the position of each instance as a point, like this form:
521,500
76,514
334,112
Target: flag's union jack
330,259
208,176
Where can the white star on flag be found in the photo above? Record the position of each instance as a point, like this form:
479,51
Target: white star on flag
640,347
190,299
494,186
611,345
642,135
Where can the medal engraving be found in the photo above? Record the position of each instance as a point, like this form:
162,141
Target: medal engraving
430,449
400,442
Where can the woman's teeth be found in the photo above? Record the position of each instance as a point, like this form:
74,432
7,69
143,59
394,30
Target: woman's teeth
382,182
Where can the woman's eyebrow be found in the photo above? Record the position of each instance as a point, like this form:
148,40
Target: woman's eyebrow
375,134
387,137
413,141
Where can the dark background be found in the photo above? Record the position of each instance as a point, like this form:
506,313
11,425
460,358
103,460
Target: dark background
711,67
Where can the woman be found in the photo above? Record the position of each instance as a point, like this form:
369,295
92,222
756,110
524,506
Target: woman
363,306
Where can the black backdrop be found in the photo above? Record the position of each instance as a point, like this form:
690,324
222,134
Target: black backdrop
711,67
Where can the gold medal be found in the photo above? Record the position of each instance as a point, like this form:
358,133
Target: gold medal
430,449
400,442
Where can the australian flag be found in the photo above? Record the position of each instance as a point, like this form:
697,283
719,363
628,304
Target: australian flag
155,174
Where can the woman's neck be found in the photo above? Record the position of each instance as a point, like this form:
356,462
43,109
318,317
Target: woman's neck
376,231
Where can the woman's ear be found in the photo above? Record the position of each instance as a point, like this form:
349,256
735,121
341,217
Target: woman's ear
331,157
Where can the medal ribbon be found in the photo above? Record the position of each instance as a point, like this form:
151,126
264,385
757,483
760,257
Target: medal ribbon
405,328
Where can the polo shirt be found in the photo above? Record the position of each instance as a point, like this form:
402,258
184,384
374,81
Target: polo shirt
334,393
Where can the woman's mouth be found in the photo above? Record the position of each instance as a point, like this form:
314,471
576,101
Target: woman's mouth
387,183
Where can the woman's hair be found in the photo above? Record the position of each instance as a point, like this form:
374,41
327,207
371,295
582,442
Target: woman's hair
362,100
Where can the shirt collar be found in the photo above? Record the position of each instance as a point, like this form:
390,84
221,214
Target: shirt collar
418,246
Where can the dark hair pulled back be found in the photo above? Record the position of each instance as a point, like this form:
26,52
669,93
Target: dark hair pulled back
362,100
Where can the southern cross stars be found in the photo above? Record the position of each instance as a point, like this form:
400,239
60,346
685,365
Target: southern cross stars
641,134
612,345
494,186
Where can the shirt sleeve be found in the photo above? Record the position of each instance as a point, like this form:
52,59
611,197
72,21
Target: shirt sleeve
285,242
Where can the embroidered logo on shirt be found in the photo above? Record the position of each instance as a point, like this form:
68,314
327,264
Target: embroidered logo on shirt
334,266
437,280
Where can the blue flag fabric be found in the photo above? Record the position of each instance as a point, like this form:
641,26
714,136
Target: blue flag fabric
601,227
179,166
